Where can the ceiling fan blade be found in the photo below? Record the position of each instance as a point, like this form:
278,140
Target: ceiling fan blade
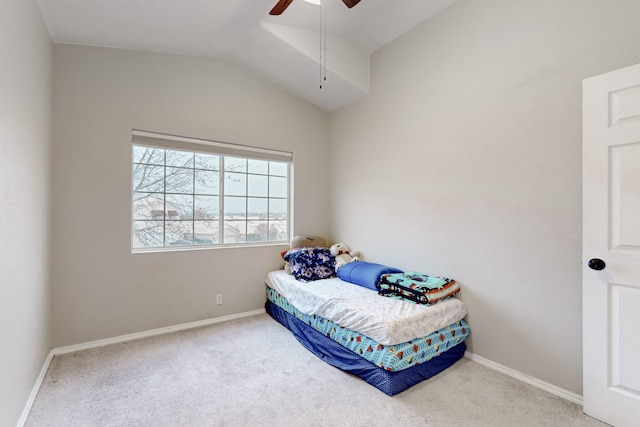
350,3
280,7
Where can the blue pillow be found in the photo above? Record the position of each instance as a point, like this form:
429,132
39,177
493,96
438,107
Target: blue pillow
365,274
311,263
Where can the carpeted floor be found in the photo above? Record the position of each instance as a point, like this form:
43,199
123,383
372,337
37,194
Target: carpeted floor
252,372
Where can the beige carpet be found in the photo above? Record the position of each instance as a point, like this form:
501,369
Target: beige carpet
252,372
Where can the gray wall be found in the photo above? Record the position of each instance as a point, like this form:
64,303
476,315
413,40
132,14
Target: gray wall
25,157
465,161
100,289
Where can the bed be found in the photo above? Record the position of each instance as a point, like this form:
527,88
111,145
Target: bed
391,343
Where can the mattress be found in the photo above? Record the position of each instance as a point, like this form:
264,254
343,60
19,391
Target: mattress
386,321
389,357
329,351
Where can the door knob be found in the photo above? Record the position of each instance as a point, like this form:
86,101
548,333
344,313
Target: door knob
596,264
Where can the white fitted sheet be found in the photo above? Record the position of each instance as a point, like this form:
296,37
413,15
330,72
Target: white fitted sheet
385,320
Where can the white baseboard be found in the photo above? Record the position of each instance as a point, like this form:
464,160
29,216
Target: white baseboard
565,394
35,389
153,332
115,340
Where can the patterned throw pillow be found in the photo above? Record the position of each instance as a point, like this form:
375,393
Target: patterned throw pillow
311,263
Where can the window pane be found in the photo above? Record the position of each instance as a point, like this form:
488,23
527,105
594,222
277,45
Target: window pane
148,178
277,187
235,207
207,161
257,231
277,168
179,206
258,185
235,232
207,233
277,209
207,207
207,182
235,184
148,155
235,164
183,159
257,208
179,180
258,166
148,234
148,206
178,233
278,231
184,198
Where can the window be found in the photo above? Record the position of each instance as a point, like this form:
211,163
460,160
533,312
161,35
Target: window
193,193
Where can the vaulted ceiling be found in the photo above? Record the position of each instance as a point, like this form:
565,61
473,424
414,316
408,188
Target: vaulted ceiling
289,49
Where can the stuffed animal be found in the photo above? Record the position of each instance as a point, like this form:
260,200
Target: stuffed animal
306,241
303,242
343,254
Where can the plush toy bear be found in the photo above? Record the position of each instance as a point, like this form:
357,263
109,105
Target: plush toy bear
343,254
306,241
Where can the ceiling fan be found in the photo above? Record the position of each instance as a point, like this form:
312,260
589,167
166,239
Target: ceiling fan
283,4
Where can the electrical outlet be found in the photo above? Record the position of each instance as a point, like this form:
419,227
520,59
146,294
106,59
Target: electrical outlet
219,299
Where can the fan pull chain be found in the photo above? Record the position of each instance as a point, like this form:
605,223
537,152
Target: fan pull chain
323,43
320,53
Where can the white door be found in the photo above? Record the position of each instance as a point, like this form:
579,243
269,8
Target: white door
611,233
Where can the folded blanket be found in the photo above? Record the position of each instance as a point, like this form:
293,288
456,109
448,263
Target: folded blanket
418,287
365,274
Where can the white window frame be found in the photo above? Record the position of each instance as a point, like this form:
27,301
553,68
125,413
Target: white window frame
225,151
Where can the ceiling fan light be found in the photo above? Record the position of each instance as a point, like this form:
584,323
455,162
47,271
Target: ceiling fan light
316,2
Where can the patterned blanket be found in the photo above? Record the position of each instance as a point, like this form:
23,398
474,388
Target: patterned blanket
417,287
